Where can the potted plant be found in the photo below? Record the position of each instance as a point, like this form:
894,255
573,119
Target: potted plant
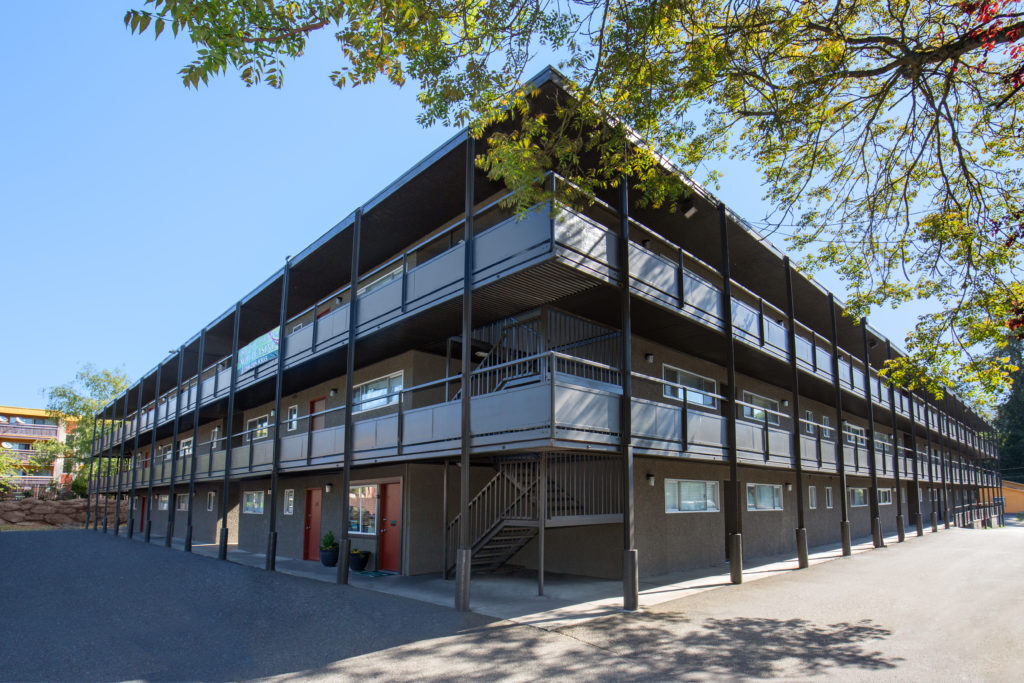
329,550
357,560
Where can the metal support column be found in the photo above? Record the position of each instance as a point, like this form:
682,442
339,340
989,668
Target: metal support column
844,507
933,496
942,463
271,560
350,369
152,452
901,530
135,463
876,524
796,440
734,531
195,439
542,518
464,554
916,512
91,488
120,466
630,564
106,480
222,544
175,451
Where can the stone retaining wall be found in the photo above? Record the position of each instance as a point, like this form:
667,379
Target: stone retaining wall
33,512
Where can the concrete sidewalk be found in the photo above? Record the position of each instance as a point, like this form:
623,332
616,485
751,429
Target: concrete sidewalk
511,594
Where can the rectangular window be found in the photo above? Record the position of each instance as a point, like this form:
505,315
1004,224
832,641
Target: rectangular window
166,450
181,501
211,501
682,495
253,503
699,390
215,436
858,497
161,502
293,418
855,435
378,393
380,280
933,494
760,408
289,501
809,422
363,515
764,496
256,428
828,497
885,496
812,497
185,447
826,427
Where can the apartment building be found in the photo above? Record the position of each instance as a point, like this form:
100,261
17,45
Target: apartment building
20,429
613,391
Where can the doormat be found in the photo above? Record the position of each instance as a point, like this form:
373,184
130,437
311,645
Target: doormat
375,573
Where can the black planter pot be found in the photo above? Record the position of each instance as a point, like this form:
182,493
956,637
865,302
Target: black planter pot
329,558
357,560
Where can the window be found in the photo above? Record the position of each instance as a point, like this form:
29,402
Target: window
363,515
293,418
682,495
809,422
855,434
215,436
253,503
701,386
185,447
380,280
181,501
826,427
764,496
377,393
211,501
760,408
257,428
812,497
165,451
858,497
161,502
289,501
885,496
828,497
933,495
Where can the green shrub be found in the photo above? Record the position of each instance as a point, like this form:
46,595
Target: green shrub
328,542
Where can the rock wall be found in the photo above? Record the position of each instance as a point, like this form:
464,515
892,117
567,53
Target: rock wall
67,513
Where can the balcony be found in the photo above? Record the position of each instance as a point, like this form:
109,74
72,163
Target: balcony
39,432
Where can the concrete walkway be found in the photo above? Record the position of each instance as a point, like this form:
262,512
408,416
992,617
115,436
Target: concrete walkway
512,594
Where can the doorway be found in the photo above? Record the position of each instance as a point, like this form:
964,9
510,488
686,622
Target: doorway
389,537
141,506
311,527
317,405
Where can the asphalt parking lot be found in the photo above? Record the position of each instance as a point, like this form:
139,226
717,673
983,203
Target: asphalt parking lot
81,605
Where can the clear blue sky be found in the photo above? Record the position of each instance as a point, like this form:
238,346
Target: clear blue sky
134,211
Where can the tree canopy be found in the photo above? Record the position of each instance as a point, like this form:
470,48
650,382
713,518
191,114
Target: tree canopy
888,134
1010,422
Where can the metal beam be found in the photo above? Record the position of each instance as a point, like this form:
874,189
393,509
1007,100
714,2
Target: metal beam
195,439
152,452
796,439
135,463
174,449
734,531
916,512
876,524
630,565
350,370
901,530
464,554
844,509
271,560
91,485
222,549
933,497
106,479
120,467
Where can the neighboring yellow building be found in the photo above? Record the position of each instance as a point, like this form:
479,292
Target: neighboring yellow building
20,428
1013,493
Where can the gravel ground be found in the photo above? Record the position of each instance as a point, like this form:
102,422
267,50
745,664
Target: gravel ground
948,606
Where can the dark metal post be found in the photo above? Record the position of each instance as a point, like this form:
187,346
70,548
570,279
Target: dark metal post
135,463
945,487
796,439
91,488
271,561
876,524
844,508
542,518
464,554
120,467
901,530
222,549
174,449
350,369
916,512
152,451
933,497
734,545
630,565
106,479
195,439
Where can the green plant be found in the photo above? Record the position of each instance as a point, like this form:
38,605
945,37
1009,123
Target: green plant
328,542
1020,516
359,552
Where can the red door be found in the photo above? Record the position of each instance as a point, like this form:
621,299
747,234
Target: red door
390,536
142,512
311,539
317,405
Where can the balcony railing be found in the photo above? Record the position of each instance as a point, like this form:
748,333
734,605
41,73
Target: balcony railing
23,430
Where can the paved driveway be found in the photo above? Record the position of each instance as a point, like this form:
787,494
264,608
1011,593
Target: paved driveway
81,605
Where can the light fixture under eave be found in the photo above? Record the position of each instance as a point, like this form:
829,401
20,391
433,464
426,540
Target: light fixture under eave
328,488
332,392
649,357
650,479
689,209
480,354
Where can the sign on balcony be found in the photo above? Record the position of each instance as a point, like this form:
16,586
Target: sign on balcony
261,349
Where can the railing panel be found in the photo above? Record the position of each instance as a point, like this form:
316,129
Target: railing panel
437,278
587,409
509,243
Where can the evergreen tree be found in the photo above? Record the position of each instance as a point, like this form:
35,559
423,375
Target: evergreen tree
1010,420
